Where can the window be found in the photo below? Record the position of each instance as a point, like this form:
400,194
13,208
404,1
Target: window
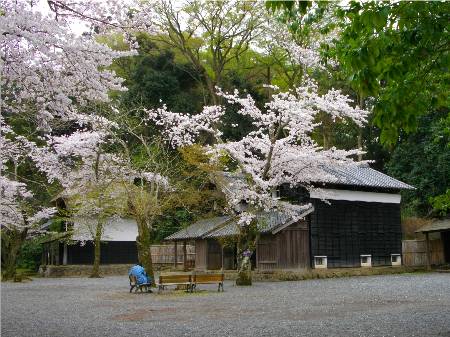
364,259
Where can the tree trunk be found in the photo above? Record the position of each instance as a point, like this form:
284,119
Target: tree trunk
97,250
244,277
143,242
12,241
245,248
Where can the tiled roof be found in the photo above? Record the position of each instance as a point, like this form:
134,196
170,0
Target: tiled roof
198,229
361,175
230,229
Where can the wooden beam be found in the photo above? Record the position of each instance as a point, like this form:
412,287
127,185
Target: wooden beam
427,241
184,256
175,262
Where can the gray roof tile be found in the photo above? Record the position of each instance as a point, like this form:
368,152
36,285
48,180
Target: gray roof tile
361,175
268,222
198,229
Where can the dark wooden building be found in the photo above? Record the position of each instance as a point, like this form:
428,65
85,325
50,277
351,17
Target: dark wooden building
353,220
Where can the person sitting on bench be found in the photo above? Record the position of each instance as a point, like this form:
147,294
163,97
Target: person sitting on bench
141,276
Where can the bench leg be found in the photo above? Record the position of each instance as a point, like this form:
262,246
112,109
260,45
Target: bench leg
131,288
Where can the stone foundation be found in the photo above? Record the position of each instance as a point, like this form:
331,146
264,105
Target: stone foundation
276,275
82,270
306,274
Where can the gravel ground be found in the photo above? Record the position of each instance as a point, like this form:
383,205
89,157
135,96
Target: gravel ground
394,305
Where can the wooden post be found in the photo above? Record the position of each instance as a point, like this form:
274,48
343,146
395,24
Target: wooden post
428,251
65,254
222,256
175,262
184,256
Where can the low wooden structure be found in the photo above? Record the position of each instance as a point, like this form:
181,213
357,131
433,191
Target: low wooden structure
414,253
438,252
208,252
283,244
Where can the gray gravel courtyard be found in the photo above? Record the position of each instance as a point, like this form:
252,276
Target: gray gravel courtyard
394,305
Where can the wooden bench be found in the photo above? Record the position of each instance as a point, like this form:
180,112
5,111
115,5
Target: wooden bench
175,280
134,284
208,279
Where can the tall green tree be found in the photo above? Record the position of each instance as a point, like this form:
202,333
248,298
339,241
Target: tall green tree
422,159
397,52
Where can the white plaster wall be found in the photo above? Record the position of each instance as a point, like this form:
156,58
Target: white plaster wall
333,194
117,229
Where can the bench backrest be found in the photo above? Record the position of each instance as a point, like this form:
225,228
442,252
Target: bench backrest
209,278
175,278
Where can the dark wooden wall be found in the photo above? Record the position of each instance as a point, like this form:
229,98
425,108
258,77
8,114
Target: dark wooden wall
112,252
287,249
343,230
445,237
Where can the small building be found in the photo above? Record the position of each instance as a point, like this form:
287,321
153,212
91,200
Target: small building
76,247
354,221
440,229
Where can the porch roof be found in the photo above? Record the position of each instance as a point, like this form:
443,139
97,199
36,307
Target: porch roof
198,229
437,226
268,222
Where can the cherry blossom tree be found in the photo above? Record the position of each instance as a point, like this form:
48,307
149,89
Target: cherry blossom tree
19,214
90,177
50,76
279,151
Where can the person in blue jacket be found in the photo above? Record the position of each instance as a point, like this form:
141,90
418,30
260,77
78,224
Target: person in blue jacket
139,272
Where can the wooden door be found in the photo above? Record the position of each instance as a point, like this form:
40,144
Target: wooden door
267,252
214,255
293,247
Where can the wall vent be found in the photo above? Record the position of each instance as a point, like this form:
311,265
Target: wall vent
396,259
320,262
366,260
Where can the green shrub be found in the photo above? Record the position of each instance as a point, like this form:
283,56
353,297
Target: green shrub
30,255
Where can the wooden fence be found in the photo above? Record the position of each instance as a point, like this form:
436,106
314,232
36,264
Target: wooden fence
415,253
165,254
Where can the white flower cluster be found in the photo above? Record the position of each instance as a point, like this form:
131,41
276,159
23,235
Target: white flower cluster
182,129
47,66
280,151
245,219
13,214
